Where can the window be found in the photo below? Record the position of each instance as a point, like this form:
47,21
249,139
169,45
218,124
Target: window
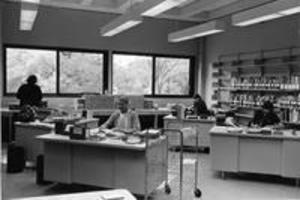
81,72
132,74
59,71
20,63
172,76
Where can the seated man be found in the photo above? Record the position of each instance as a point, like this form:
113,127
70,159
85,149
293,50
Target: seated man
123,119
269,118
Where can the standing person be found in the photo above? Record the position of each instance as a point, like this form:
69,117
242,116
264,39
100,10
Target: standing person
124,119
199,106
30,93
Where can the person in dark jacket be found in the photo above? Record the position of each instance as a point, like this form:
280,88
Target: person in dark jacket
30,93
270,117
199,106
257,118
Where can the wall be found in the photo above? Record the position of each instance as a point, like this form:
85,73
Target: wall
80,29
279,33
1,62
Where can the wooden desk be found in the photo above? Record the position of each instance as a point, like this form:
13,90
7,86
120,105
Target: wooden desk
255,153
109,194
109,163
10,114
202,126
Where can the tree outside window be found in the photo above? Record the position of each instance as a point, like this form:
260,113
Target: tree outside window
172,76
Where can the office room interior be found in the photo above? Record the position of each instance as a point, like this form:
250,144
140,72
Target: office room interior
150,99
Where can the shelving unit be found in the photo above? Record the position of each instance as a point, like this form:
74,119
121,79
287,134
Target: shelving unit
244,83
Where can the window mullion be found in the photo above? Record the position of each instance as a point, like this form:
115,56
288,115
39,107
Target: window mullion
153,74
57,72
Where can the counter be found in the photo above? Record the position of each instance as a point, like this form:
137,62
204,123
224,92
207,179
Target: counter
86,196
8,128
255,153
109,163
202,126
25,133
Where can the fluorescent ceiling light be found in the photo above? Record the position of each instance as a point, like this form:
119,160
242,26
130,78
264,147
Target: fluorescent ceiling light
29,10
162,7
279,8
31,1
120,24
27,19
258,20
291,11
201,30
122,27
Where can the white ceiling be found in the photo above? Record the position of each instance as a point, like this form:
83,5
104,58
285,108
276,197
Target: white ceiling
191,10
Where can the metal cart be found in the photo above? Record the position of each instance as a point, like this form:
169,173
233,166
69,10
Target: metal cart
197,191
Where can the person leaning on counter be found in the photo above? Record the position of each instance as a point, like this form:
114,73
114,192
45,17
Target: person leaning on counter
266,116
199,107
124,119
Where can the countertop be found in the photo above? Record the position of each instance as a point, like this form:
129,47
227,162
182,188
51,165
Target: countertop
287,134
108,142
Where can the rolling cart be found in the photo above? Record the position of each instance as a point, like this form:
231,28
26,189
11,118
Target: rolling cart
197,191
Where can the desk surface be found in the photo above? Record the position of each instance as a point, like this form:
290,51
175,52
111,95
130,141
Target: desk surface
8,111
139,111
110,194
172,118
35,124
108,142
223,131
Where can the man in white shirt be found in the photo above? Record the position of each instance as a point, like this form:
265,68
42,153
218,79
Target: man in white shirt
124,119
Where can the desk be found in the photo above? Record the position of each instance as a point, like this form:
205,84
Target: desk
157,114
255,153
25,133
86,196
10,114
109,163
202,126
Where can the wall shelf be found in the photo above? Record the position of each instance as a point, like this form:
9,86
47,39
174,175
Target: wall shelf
259,90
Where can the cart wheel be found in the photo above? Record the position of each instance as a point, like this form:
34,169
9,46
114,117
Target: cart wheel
167,189
197,193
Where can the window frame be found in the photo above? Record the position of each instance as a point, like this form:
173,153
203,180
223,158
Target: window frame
57,93
154,56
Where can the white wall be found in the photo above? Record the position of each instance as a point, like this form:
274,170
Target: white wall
279,33
80,29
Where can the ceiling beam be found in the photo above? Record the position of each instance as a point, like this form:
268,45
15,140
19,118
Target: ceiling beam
203,5
111,10
232,8
86,2
127,4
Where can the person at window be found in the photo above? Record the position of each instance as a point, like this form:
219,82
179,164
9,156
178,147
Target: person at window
257,118
30,93
270,118
199,107
124,119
